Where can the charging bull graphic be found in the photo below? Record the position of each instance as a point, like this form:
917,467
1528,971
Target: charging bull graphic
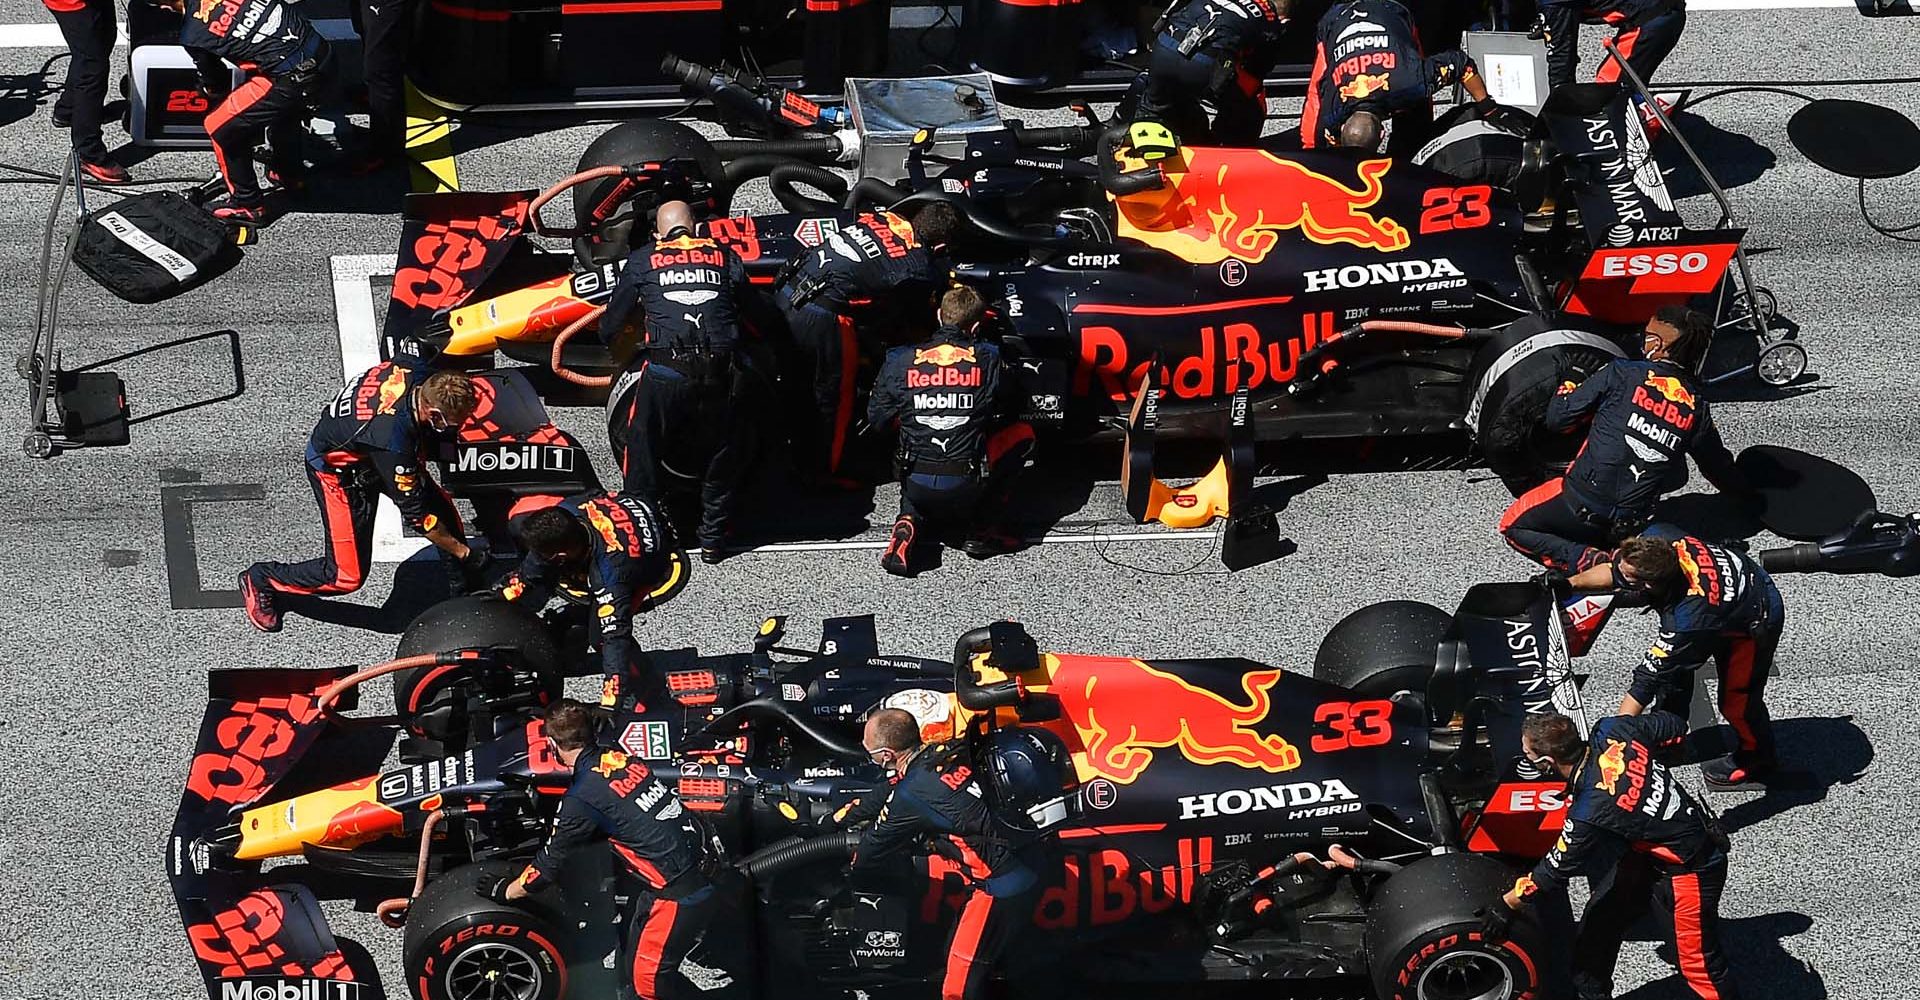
1612,763
1125,710
1237,202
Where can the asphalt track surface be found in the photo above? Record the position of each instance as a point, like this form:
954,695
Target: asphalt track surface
106,673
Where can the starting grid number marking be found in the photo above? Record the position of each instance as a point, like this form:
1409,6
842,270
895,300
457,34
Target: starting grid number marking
353,312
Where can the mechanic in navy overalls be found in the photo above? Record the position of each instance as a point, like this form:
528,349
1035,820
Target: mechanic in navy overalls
370,441
1372,84
960,445
1715,603
1645,31
682,941
618,551
1628,815
863,280
936,796
286,61
1217,51
1648,414
685,413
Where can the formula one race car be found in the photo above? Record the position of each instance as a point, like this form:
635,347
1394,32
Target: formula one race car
1198,816
1310,295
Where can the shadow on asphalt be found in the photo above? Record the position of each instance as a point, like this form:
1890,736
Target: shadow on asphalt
1816,754
418,584
1761,964
232,357
1734,158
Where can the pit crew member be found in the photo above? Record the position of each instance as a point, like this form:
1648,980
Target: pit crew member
959,446
936,796
619,551
286,61
1217,51
1645,31
88,29
677,945
1372,85
369,441
1714,603
684,415
861,280
1647,415
1627,814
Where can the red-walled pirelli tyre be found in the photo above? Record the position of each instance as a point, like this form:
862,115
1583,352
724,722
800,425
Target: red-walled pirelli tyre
1423,939
424,697
461,945
1509,383
1383,648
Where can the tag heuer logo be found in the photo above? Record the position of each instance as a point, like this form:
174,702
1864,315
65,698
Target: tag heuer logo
651,740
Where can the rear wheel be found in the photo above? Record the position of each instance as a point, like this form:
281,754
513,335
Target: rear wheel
1383,648
460,945
432,701
641,141
1423,940
1513,377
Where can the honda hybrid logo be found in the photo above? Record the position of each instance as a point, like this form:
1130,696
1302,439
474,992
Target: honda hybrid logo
1329,797
513,458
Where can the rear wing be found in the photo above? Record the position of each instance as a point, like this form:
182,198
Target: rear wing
252,938
1627,284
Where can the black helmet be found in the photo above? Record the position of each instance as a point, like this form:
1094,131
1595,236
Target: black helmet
1031,777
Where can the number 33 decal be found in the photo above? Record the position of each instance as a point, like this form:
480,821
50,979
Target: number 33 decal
1352,724
1442,209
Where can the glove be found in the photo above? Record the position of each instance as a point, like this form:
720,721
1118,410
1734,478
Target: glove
1496,922
1504,118
1554,582
495,889
474,567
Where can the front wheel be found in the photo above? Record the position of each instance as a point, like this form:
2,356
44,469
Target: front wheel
1423,935
1512,378
461,945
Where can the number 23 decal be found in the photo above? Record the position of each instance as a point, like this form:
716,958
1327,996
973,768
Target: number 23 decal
1442,209
1352,724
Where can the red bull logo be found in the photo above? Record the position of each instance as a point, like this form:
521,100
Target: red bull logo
943,355
1363,85
1672,388
1125,710
392,388
604,525
1612,763
610,761
1237,202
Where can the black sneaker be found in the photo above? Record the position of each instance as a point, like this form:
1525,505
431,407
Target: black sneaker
1724,775
989,543
713,555
256,596
898,559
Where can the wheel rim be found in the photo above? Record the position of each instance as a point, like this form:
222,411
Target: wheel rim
1465,975
493,970
1782,363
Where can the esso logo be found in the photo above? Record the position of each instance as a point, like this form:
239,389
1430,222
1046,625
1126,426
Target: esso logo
1535,800
1638,264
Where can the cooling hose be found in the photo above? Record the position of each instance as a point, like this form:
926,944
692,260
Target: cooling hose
797,853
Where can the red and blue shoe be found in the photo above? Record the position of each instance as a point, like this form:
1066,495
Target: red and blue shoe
256,596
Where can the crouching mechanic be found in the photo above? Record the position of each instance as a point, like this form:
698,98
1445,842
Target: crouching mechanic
869,274
1372,85
936,795
960,447
682,938
617,550
685,413
1647,414
1714,603
1627,815
287,62
1217,51
370,441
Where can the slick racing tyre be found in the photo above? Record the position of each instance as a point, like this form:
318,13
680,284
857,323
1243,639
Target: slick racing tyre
642,141
1383,648
1423,935
1512,378
432,702
460,945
